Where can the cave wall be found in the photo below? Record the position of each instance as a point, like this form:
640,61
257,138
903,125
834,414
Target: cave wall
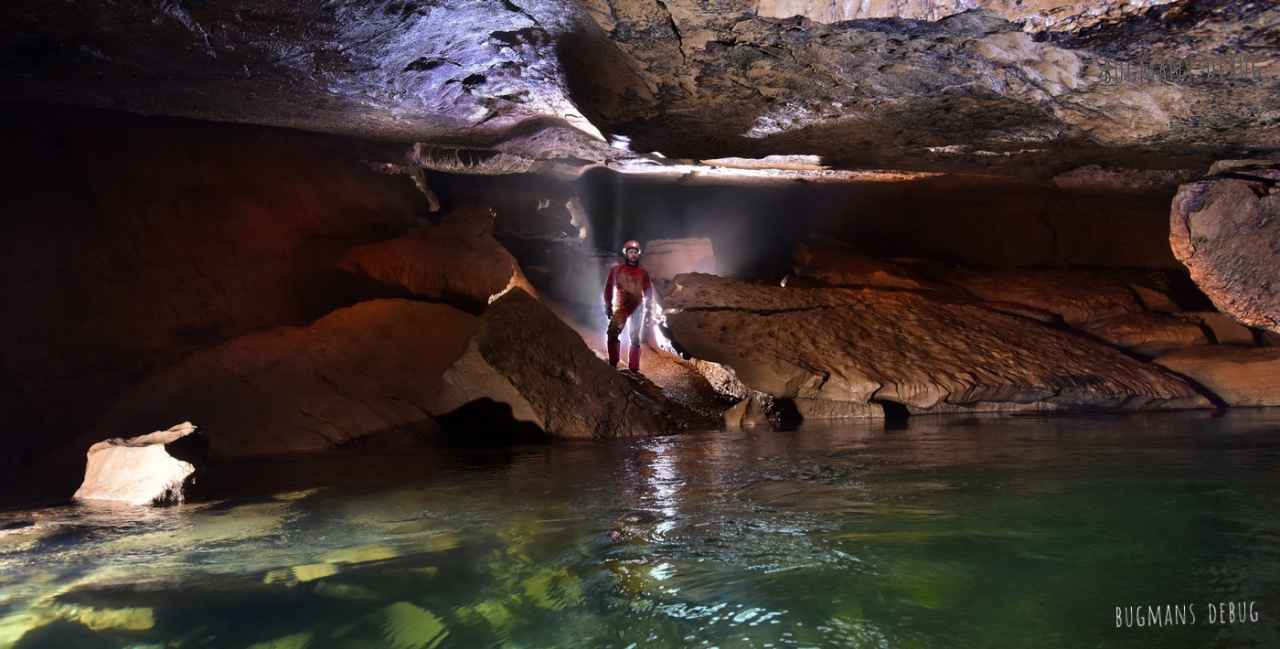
968,220
129,242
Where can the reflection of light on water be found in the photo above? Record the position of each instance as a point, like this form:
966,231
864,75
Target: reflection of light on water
662,571
664,482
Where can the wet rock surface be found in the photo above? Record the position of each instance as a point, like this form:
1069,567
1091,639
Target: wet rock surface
1239,376
872,345
1226,230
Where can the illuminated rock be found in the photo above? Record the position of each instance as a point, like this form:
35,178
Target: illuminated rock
457,261
1240,376
870,345
137,470
511,85
522,355
1226,230
1039,14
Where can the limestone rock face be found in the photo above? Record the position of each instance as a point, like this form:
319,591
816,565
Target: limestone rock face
1240,376
374,367
1226,230
836,265
137,470
1075,296
1038,14
666,258
457,261
1225,330
512,84
524,356
1147,333
860,345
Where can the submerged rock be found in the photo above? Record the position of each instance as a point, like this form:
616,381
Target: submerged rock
524,356
1226,230
137,470
1240,376
864,345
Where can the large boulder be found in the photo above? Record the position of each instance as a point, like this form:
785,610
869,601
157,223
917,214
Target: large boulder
524,356
457,261
137,470
865,345
374,367
1226,230
1239,376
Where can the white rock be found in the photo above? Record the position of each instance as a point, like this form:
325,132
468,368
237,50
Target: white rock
137,470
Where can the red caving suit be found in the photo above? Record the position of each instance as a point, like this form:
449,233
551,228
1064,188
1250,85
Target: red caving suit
626,292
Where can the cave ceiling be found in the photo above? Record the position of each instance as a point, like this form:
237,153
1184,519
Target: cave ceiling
1031,88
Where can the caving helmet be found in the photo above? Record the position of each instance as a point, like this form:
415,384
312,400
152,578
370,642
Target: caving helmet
631,243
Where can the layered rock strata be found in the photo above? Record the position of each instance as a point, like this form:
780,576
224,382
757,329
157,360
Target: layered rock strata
867,345
1239,376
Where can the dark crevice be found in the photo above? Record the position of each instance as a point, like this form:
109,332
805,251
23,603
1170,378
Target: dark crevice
487,423
895,414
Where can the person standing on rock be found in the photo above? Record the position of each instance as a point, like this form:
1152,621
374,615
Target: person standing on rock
628,294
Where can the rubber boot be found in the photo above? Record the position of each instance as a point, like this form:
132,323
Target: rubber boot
633,358
613,352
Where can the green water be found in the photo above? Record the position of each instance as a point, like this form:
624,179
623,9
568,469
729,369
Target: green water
991,532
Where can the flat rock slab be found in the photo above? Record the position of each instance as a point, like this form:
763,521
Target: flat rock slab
864,345
1226,230
1240,376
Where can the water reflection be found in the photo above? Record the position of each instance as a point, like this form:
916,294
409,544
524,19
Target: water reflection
1008,532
